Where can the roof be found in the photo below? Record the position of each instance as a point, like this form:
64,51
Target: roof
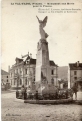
74,66
4,72
33,61
19,59
52,63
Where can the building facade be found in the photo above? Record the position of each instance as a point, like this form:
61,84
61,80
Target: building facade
23,73
5,80
75,74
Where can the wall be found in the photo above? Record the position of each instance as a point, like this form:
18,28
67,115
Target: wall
73,77
24,76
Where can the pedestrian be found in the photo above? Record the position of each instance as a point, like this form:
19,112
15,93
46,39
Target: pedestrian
36,95
66,94
59,93
22,91
75,89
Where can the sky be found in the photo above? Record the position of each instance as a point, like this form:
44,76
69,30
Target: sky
20,31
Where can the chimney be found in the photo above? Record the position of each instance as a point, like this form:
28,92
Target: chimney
8,68
30,55
77,63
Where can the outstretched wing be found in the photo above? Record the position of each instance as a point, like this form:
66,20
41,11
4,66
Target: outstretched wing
38,19
44,21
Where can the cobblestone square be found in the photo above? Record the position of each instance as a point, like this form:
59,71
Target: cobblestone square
15,110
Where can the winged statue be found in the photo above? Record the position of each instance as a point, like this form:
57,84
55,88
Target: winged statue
42,24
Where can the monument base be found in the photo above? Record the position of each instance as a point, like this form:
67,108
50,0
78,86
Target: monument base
43,75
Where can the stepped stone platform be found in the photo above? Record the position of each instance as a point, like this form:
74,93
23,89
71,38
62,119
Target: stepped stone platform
61,101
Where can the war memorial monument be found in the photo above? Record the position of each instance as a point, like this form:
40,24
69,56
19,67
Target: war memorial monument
43,71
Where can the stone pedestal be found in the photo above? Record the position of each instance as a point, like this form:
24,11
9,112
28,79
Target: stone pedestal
43,74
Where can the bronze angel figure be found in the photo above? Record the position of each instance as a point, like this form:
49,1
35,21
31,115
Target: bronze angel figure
41,26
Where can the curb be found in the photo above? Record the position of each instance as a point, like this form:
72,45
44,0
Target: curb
62,101
78,102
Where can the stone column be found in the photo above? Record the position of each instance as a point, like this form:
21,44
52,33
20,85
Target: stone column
42,63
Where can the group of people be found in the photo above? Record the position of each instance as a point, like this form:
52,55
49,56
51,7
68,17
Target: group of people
73,91
24,92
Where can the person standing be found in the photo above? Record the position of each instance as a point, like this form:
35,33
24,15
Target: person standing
75,89
36,95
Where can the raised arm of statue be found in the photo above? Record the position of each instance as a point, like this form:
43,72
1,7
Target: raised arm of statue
44,21
38,19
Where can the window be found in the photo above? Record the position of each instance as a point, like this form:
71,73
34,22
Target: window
34,81
33,70
75,78
17,71
20,70
20,82
11,74
14,82
52,72
11,82
52,81
75,72
25,71
7,76
26,81
14,71
7,80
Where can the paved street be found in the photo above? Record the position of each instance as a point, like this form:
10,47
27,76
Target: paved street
16,110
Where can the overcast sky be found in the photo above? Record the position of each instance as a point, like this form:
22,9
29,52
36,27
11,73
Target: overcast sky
20,32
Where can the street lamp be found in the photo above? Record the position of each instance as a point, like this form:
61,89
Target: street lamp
17,78
17,81
28,63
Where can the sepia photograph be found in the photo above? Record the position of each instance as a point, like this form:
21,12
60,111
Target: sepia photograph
41,60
